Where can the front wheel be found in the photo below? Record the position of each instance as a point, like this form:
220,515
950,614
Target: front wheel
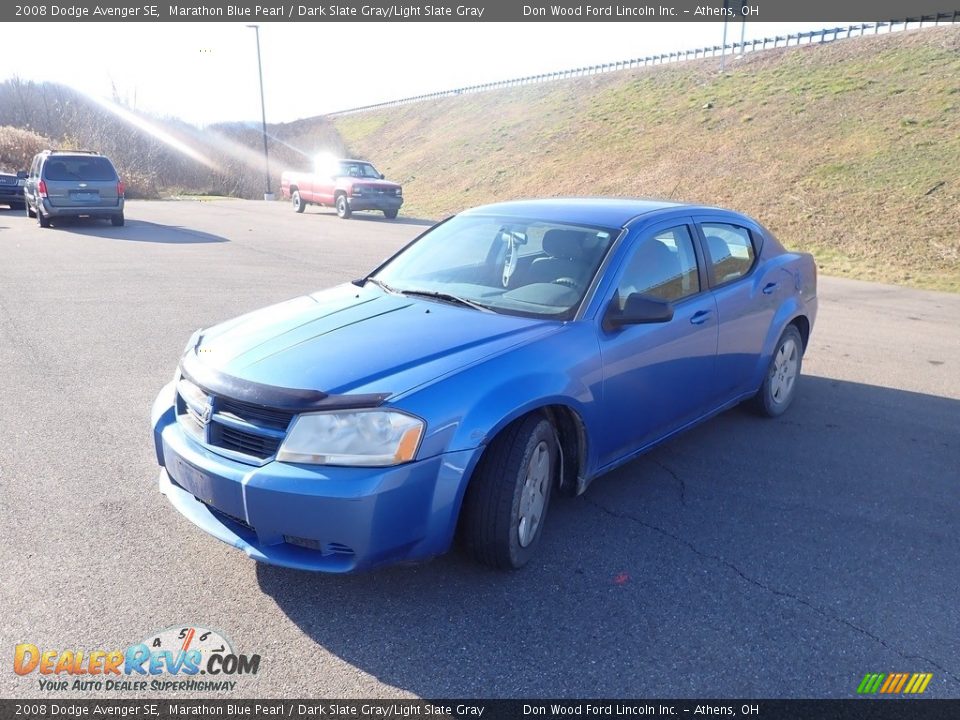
507,499
390,214
780,383
298,204
343,207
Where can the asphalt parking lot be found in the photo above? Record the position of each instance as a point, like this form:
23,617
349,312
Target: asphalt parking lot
747,558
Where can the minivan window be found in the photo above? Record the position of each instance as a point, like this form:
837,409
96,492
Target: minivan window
86,168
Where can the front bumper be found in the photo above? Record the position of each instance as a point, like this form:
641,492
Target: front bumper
331,519
375,202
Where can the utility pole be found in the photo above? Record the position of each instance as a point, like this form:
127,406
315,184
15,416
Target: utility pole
267,191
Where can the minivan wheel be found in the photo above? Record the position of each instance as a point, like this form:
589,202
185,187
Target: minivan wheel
506,502
343,207
117,220
42,220
390,214
780,383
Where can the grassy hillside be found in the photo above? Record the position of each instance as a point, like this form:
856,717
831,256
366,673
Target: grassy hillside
850,150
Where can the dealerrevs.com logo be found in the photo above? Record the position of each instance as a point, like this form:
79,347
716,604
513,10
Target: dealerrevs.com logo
179,658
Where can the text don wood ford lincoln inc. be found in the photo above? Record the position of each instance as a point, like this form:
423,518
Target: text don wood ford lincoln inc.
186,658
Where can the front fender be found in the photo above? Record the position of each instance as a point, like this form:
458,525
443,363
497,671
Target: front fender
465,410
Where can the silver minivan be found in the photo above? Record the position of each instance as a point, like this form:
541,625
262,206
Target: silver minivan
73,183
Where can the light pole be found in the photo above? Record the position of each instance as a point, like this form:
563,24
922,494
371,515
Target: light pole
267,194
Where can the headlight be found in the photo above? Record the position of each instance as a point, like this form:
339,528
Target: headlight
353,437
356,191
399,191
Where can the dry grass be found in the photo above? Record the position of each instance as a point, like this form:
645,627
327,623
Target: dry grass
850,150
17,148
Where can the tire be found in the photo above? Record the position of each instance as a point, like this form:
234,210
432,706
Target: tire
780,383
30,212
507,499
343,207
298,204
42,220
117,220
390,214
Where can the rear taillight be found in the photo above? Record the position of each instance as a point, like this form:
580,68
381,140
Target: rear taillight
42,188
120,188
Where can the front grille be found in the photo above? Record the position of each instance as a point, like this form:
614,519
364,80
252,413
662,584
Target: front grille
254,414
221,515
252,431
242,441
332,548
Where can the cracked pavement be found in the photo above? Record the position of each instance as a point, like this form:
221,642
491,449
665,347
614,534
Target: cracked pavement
745,558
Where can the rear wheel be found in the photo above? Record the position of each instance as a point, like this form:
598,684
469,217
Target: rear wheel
117,220
507,499
343,207
780,383
42,220
298,204
390,214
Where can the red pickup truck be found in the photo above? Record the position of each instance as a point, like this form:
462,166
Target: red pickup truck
347,185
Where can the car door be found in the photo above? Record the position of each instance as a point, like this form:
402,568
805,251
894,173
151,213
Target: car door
746,299
658,377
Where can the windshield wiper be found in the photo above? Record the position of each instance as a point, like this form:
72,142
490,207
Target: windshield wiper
381,284
446,297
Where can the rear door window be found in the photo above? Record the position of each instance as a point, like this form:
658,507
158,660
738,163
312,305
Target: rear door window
730,250
82,168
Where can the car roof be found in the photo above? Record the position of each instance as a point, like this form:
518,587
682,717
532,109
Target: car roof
606,212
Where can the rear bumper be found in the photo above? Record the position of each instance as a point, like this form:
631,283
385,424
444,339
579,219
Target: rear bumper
375,202
330,519
6,196
75,210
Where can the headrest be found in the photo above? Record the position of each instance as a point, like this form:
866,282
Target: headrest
566,244
717,247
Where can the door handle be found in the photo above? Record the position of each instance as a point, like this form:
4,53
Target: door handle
700,317
769,288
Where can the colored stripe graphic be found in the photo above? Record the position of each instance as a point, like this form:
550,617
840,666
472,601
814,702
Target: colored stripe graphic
894,683
918,683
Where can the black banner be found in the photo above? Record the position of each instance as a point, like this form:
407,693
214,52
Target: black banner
473,11
851,709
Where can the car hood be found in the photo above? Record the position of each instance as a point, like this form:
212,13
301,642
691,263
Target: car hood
360,340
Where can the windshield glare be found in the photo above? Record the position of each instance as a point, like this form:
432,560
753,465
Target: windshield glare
358,169
516,266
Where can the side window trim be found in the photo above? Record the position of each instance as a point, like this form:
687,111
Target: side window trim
756,242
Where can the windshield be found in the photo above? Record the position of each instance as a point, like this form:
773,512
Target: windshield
358,169
516,266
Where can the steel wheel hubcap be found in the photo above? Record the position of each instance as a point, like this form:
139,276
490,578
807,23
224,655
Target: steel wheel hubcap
533,496
784,372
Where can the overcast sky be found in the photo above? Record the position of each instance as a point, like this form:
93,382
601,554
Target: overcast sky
207,72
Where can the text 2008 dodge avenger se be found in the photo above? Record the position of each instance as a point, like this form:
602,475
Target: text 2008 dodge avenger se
510,352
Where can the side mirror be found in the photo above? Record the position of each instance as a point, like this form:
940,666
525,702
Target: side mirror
21,174
382,176
639,309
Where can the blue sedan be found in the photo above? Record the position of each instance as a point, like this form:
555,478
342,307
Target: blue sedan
510,352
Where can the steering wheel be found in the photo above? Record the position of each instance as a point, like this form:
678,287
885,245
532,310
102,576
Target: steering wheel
567,282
